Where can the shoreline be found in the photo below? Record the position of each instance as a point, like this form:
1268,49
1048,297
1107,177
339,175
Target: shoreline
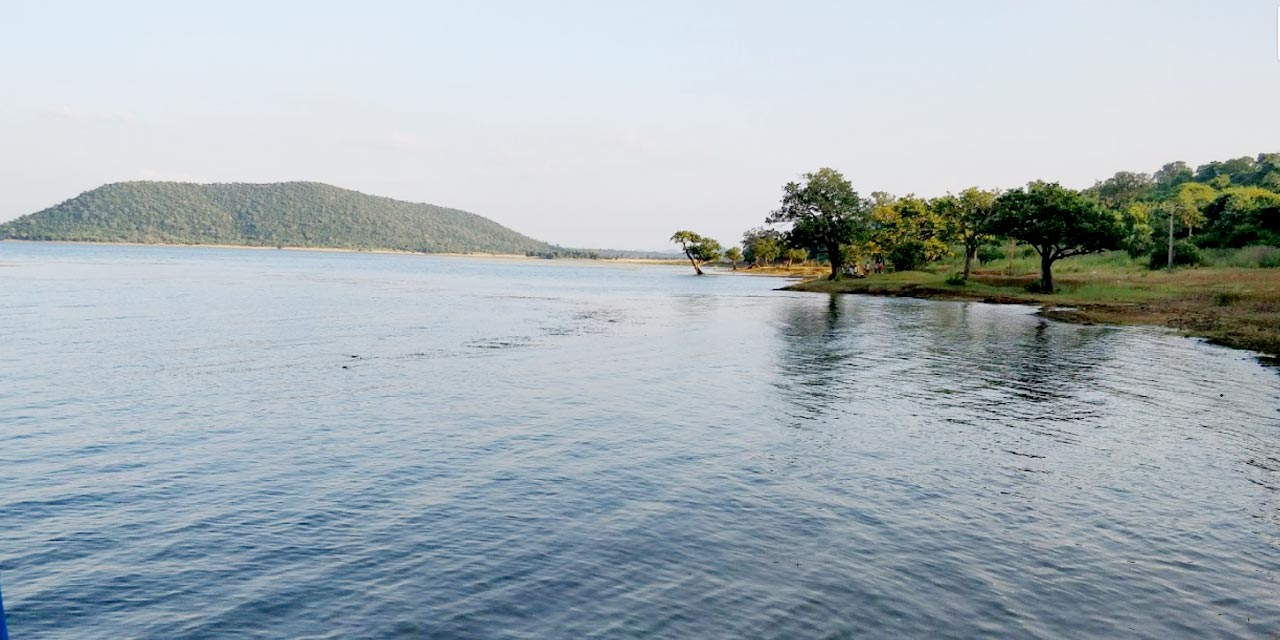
259,247
1215,306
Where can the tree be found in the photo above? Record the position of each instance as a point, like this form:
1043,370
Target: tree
761,245
1057,222
1192,198
1267,173
796,255
825,211
1136,231
697,249
1123,189
1171,176
908,230
734,255
966,216
1239,171
1242,216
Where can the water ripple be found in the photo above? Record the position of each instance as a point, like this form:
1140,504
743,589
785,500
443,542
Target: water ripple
206,443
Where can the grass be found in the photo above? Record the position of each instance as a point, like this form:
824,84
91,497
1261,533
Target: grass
1237,306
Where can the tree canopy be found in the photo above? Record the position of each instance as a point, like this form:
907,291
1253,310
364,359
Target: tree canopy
734,256
1057,222
823,211
907,231
1227,204
697,248
761,245
966,217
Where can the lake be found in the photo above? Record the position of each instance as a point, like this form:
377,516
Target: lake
221,443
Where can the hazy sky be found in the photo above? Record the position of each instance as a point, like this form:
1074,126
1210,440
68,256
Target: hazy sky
612,124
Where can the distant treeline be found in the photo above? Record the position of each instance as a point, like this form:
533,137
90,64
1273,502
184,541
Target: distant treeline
1234,203
601,254
292,214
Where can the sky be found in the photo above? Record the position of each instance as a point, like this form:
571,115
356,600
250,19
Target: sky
613,124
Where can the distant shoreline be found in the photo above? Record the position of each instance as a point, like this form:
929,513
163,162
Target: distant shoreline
477,254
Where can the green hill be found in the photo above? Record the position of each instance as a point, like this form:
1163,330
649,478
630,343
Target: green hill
292,214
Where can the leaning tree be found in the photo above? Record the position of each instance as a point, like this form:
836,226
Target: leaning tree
697,248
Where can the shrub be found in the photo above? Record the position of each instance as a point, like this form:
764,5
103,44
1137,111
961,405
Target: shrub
1225,298
1036,287
1185,254
955,279
1137,245
1265,257
1253,257
907,256
990,253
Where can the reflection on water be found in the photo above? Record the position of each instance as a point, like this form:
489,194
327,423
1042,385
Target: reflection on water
211,443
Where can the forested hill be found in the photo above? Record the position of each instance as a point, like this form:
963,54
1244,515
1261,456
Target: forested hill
291,214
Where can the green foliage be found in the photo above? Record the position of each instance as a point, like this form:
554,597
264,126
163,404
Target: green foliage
1136,235
795,255
956,279
1243,171
733,255
295,214
761,245
825,211
1229,203
697,248
1170,177
1255,257
989,253
1123,189
909,228
1185,254
1242,216
1057,222
964,219
708,250
908,255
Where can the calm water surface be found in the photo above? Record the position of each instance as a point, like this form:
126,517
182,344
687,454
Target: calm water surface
211,443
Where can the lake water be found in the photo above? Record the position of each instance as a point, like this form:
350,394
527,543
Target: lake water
215,443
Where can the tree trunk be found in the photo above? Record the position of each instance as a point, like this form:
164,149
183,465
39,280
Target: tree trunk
693,262
735,264
1046,272
1171,241
968,259
836,260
